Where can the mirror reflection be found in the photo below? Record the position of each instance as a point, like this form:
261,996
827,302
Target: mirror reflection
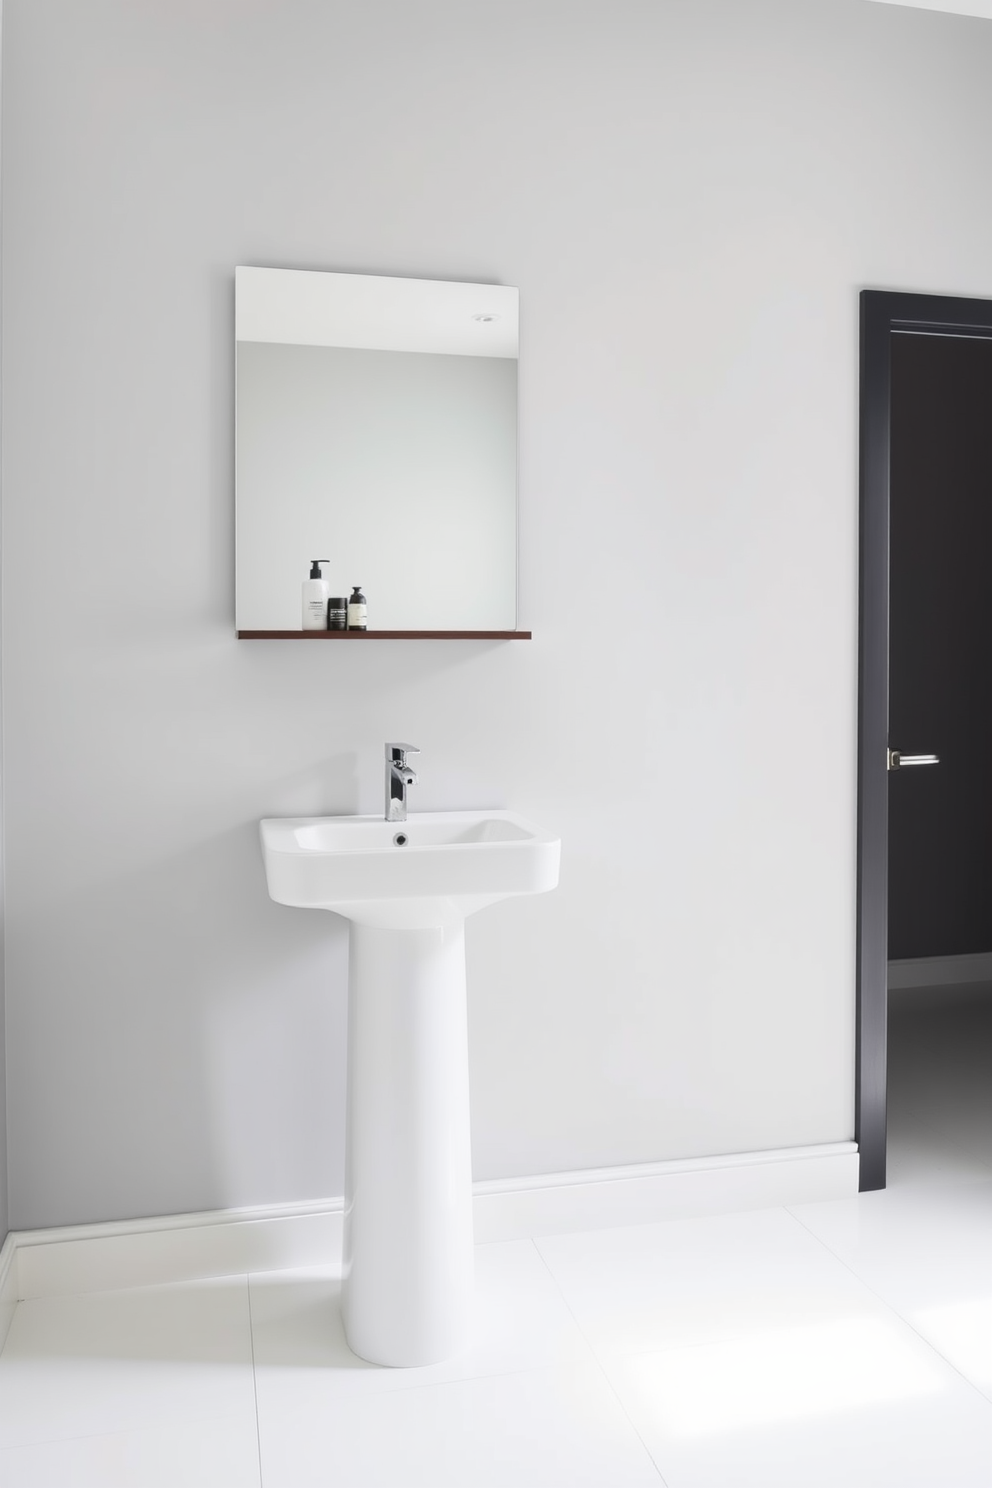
376,429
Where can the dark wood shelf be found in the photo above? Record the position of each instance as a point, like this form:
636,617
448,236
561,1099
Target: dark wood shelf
384,635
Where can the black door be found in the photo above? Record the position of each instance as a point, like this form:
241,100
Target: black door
926,504
940,646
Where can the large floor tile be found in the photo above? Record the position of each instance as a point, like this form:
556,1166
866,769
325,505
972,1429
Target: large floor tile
184,1454
854,1402
300,1350
546,1428
697,1280
927,1251
111,1362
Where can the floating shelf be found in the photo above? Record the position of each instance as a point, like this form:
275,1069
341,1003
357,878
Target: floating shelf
384,635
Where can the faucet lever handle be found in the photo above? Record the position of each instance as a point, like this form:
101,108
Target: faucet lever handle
398,752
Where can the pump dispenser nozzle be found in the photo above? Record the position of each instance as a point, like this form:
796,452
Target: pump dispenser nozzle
315,567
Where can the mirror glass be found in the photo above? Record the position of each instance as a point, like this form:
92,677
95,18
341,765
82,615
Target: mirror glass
376,429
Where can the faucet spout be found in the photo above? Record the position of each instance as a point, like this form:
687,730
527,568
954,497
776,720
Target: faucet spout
398,776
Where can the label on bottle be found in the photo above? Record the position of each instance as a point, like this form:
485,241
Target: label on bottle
315,612
358,617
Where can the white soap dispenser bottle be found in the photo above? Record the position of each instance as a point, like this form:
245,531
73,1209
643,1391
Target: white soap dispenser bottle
315,596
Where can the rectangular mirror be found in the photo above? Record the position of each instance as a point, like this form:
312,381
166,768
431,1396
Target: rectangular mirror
377,429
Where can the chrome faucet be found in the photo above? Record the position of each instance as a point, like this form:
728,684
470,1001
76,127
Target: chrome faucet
398,777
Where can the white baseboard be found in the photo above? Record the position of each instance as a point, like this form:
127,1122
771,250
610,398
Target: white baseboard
559,1203
185,1247
177,1247
940,971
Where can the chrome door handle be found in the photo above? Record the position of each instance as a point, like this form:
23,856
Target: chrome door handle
897,760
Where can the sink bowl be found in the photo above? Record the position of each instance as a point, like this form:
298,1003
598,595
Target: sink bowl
431,870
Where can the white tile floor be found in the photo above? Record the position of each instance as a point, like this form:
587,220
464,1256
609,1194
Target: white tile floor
844,1344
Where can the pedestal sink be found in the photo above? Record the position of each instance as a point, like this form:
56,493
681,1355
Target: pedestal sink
407,888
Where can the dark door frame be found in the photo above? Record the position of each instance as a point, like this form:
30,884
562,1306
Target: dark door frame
884,313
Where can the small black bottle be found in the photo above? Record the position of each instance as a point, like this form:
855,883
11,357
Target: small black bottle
337,613
357,610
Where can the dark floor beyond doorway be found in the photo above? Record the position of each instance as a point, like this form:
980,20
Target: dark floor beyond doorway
940,1084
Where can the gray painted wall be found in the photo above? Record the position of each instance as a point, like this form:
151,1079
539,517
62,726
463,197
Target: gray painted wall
689,197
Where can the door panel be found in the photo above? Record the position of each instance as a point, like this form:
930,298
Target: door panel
940,645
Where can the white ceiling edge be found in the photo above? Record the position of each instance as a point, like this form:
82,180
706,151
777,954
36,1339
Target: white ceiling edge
952,7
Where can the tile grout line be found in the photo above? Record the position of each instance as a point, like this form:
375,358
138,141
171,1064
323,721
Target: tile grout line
599,1363
890,1307
254,1379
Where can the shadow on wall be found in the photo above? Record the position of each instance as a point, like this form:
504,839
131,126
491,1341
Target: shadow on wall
200,1056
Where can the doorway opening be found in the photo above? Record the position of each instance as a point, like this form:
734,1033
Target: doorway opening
924,885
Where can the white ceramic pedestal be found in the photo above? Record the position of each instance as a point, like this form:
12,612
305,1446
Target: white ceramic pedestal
408,1250
408,1183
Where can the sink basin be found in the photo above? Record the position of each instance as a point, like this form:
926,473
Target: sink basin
433,869
407,887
